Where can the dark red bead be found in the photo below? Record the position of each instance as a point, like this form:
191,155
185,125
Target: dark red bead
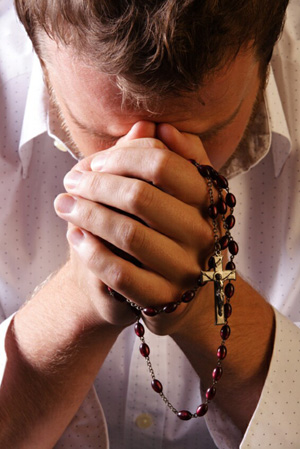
214,174
227,310
157,386
230,266
233,247
144,350
222,207
213,211
150,311
185,415
204,170
225,332
230,221
230,200
229,290
217,373
210,393
200,281
202,409
224,241
188,296
222,352
139,329
169,308
222,182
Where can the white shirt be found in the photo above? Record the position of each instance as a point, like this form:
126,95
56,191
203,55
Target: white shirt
33,244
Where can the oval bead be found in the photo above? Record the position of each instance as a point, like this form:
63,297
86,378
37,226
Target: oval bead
229,290
227,310
144,350
222,182
202,410
210,393
188,296
169,308
222,352
233,247
230,221
213,211
139,329
222,207
213,174
224,241
230,200
185,415
217,373
150,311
230,266
200,281
204,170
157,386
225,332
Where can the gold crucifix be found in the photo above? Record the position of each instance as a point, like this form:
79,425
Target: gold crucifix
218,276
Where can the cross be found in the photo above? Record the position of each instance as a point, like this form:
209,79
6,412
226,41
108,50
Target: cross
219,276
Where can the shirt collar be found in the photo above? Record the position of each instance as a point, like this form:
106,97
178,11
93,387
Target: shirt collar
39,118
34,121
281,138
268,130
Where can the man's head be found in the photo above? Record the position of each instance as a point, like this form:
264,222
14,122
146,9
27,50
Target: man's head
198,65
156,47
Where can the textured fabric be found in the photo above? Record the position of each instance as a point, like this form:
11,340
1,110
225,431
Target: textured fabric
33,244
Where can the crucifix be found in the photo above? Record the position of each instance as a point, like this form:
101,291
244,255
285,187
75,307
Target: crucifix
218,276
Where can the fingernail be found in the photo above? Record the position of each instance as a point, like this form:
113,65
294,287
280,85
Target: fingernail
65,203
75,236
72,179
98,162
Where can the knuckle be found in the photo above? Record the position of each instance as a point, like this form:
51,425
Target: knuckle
94,184
120,277
161,163
89,216
130,235
140,196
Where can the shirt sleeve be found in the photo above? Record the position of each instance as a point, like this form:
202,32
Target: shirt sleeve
275,422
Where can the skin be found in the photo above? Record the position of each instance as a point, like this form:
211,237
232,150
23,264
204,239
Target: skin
121,148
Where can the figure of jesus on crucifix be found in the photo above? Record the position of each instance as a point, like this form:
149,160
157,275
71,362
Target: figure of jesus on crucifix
218,276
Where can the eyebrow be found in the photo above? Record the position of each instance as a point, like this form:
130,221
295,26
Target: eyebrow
205,135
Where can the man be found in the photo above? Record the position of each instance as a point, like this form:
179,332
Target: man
135,104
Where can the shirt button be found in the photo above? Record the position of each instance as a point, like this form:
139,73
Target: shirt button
143,421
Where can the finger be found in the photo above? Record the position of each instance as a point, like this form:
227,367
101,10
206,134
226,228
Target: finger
154,250
144,131
163,168
186,145
143,287
157,209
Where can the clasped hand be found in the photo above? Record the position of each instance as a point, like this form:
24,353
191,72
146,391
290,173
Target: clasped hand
144,198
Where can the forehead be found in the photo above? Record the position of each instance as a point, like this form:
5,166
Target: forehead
92,95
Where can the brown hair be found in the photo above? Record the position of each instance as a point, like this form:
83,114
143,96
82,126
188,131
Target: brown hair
157,47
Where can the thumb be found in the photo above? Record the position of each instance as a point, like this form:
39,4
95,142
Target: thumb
189,146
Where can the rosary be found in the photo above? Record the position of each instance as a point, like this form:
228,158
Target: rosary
222,293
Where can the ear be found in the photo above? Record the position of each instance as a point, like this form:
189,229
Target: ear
186,145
